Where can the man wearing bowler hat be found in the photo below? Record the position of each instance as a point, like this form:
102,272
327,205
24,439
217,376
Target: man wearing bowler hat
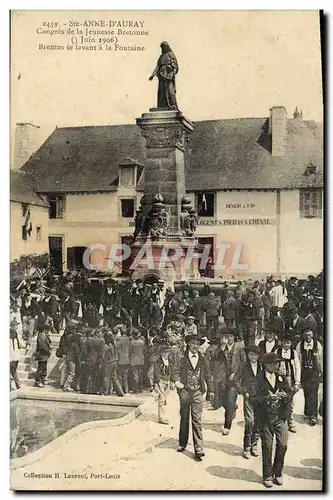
231,356
246,384
291,368
191,377
273,410
270,343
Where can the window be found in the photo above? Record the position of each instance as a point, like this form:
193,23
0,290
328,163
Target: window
56,209
127,207
24,207
310,203
206,204
24,233
126,264
75,257
38,233
127,176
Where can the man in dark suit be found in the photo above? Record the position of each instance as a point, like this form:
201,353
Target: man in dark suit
273,409
191,375
198,307
310,322
296,324
246,384
232,356
270,343
137,348
247,317
122,344
229,309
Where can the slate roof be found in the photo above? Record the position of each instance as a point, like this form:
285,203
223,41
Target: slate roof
221,154
22,191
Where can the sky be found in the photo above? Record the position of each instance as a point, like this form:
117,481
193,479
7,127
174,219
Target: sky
231,64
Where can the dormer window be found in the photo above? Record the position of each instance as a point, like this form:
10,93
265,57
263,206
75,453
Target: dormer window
128,173
311,169
127,176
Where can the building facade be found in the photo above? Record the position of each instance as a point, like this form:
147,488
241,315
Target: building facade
257,184
29,219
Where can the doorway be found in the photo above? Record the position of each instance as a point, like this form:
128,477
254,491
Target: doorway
208,270
55,250
126,264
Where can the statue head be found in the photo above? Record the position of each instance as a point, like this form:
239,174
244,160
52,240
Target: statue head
165,47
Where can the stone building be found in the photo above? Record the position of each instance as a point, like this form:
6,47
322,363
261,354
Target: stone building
257,184
29,218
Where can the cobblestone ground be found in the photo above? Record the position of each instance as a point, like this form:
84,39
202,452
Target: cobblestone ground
143,455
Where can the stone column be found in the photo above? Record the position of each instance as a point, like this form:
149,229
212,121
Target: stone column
166,133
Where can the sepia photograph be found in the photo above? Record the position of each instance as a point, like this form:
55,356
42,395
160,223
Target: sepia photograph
166,250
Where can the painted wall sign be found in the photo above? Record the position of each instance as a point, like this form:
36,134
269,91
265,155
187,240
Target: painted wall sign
236,222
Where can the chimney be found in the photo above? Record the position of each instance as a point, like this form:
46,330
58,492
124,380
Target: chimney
26,142
277,129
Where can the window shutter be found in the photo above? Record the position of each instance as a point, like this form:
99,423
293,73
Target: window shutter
70,258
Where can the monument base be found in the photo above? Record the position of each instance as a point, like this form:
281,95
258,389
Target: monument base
167,260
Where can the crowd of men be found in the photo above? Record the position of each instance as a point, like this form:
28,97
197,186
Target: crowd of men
126,336
121,323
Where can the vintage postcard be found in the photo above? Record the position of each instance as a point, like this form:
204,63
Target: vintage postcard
166,286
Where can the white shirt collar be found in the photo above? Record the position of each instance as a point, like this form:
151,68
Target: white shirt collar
271,378
254,367
229,347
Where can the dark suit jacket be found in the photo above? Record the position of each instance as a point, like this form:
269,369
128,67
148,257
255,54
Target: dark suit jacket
123,350
50,307
198,308
267,410
262,348
311,323
43,348
298,327
237,360
179,371
245,380
229,308
137,351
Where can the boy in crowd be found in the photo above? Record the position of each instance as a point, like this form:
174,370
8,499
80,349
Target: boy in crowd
273,409
291,369
42,354
190,326
310,354
246,384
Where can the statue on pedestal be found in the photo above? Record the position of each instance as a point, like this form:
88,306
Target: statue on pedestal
188,218
166,70
139,221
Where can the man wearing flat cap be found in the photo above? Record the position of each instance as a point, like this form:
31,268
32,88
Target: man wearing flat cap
191,376
273,410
